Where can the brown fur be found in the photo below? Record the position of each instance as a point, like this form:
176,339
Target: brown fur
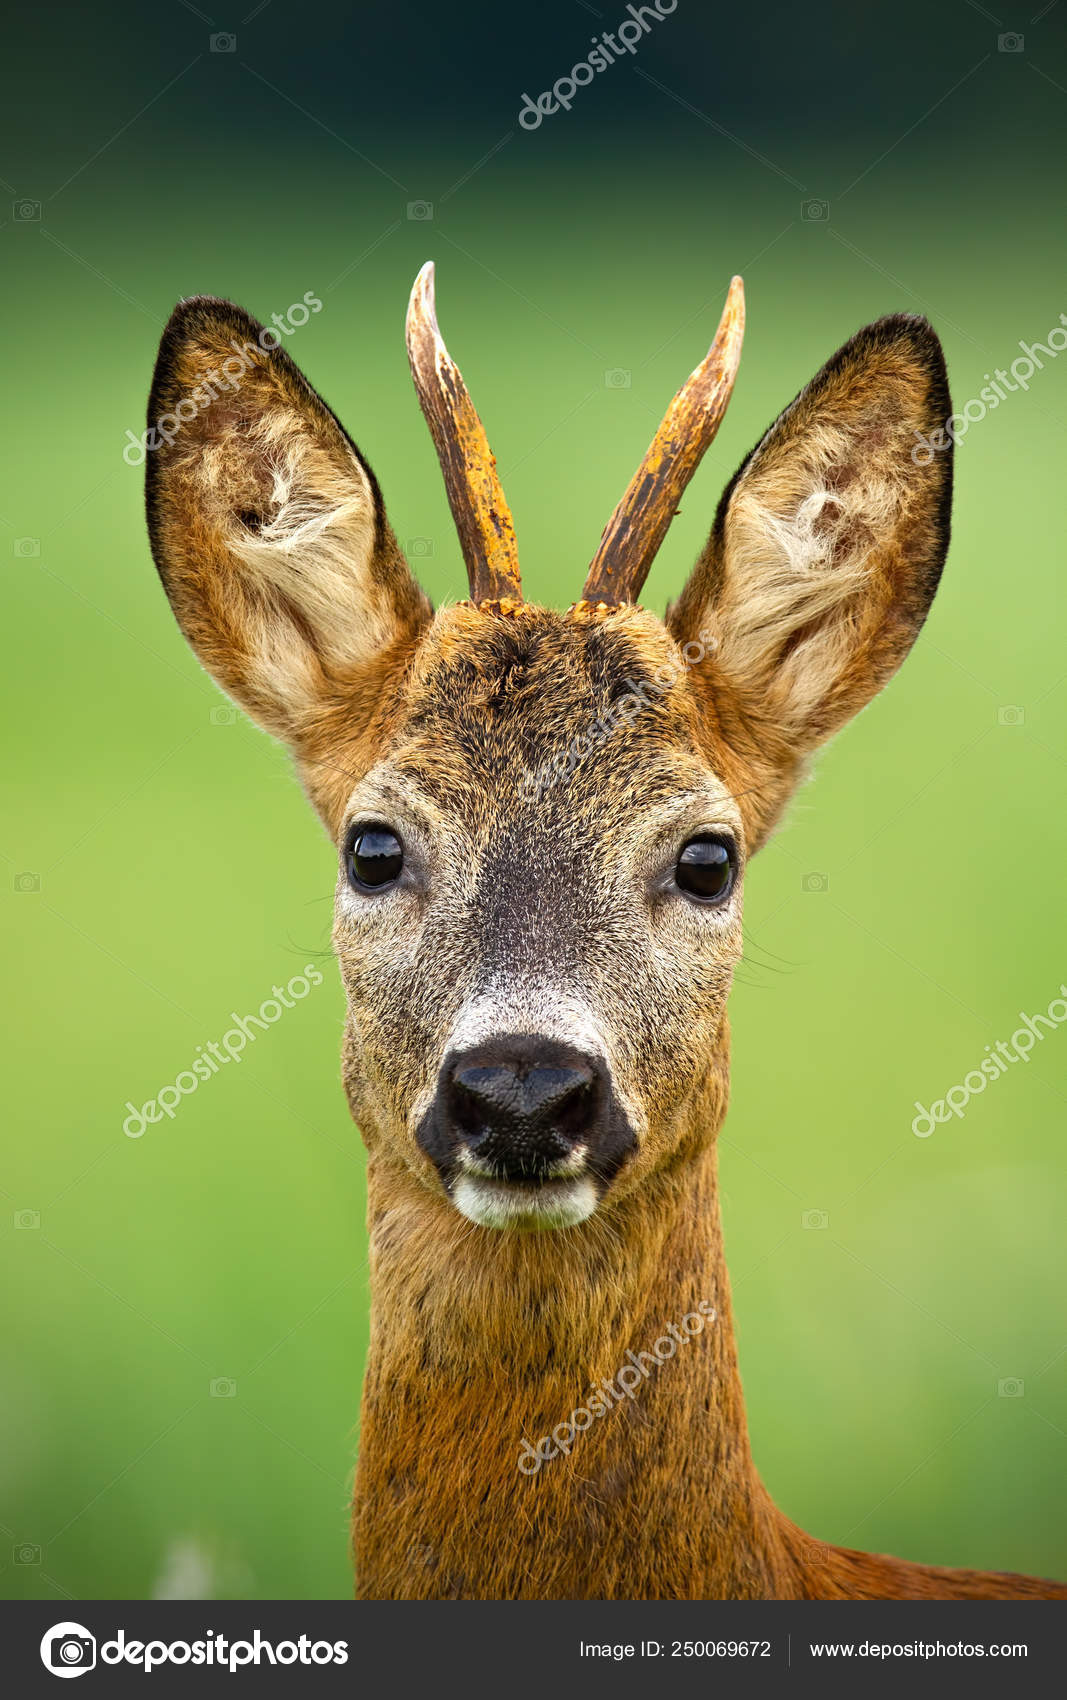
816,578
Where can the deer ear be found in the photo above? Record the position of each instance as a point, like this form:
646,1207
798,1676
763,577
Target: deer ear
829,542
266,524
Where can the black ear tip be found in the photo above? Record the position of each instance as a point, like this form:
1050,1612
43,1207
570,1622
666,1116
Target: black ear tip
207,320
903,339
200,314
908,330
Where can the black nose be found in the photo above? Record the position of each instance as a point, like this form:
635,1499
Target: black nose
520,1105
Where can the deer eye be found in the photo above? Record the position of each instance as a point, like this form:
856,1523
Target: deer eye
373,857
706,869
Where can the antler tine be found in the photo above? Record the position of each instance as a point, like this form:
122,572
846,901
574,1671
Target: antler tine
481,513
639,524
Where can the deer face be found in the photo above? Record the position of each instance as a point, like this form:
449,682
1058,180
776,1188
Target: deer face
538,910
542,820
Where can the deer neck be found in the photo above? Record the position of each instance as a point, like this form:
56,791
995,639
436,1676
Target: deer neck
558,1414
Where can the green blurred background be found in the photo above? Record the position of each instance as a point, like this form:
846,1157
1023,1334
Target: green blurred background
164,871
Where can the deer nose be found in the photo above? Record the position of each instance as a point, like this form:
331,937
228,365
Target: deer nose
522,1109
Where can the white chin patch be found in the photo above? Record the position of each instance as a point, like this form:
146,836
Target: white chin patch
500,1204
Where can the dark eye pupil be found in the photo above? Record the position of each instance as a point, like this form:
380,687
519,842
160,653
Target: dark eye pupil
375,857
705,868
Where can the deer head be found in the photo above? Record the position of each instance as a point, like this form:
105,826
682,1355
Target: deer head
543,819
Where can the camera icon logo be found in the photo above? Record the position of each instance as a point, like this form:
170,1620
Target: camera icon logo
26,1553
422,211
815,1219
418,548
68,1649
223,1388
1011,1388
224,42
1011,715
223,716
26,1220
26,548
27,882
26,212
617,378
815,882
815,212
1010,43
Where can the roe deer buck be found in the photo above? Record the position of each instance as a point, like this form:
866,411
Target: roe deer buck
536,1048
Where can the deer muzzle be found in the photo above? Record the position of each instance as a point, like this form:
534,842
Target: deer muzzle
525,1130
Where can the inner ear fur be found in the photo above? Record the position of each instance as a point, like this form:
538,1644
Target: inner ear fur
829,541
266,523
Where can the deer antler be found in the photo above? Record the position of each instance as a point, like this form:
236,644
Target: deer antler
479,508
639,524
